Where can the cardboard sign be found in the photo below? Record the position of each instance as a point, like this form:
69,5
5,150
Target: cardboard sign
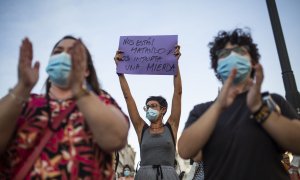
148,55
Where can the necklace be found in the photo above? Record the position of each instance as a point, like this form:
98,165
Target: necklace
58,99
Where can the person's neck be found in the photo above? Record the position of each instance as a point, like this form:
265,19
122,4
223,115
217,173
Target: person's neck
59,94
156,125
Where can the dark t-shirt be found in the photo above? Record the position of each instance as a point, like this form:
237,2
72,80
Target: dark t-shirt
239,148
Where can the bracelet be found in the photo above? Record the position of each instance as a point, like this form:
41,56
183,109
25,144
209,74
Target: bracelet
262,114
82,92
259,109
20,99
267,107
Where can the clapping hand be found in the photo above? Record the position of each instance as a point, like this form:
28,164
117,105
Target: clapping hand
254,100
79,69
27,75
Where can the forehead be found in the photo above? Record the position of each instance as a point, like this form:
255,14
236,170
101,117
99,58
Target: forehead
229,45
152,102
65,44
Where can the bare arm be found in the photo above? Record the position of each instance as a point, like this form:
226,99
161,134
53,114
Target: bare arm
284,131
134,115
10,109
107,123
201,130
198,157
176,100
11,104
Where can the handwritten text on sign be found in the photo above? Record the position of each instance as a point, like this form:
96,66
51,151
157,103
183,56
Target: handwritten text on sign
148,55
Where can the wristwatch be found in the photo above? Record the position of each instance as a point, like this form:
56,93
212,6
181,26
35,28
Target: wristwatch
268,105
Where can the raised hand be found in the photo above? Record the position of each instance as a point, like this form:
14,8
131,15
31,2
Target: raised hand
79,69
177,52
254,94
27,75
118,57
228,91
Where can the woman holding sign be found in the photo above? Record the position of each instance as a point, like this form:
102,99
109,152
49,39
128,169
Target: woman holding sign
157,141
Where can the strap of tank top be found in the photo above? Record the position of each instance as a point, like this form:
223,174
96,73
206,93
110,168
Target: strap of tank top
170,128
143,131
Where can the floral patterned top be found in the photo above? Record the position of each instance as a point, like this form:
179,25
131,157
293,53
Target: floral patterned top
70,153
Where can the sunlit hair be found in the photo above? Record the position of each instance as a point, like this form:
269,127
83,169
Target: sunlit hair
161,101
238,37
92,79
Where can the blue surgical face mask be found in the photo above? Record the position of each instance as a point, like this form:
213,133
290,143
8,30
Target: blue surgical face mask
152,114
234,60
126,173
59,68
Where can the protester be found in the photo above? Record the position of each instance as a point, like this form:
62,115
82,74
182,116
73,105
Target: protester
67,133
157,141
242,133
127,173
286,161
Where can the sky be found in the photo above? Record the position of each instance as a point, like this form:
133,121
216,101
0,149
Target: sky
100,23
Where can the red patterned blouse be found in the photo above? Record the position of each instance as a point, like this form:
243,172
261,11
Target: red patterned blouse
70,153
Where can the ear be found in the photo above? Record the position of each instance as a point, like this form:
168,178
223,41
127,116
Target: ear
163,110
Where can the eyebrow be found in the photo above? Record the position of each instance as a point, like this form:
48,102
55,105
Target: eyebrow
152,104
232,47
58,47
61,48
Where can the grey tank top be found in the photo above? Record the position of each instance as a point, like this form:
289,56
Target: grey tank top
157,149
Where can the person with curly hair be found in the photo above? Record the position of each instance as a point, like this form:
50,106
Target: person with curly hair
243,132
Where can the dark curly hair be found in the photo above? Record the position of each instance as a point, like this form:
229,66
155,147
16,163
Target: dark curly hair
161,101
236,37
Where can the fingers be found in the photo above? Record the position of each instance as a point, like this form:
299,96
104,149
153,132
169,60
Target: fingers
36,68
228,92
78,55
177,51
254,94
119,55
26,53
259,75
230,79
79,64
